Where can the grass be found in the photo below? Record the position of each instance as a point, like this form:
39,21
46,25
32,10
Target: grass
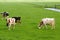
31,16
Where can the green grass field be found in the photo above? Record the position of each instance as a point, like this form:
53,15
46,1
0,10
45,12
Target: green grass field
30,18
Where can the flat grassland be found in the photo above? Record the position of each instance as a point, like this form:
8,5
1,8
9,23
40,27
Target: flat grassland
31,14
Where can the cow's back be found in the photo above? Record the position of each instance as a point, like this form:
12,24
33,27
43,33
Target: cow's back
47,20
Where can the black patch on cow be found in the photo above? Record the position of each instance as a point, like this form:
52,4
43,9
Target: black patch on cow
17,19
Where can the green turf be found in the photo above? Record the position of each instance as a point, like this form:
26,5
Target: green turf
30,18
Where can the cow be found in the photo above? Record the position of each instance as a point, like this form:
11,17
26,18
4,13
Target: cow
17,19
10,22
5,14
45,21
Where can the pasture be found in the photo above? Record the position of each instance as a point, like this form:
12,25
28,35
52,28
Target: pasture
31,14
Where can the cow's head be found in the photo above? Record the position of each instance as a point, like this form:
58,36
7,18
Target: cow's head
41,23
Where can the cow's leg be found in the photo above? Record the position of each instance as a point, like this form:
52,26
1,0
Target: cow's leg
45,25
9,26
53,25
13,26
19,21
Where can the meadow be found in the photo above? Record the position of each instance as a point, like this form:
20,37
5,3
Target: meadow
31,14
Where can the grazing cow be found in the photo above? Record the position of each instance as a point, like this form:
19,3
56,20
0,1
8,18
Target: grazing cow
45,21
17,19
10,21
5,14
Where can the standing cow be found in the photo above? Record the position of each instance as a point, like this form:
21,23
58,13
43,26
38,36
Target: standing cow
45,21
5,14
10,22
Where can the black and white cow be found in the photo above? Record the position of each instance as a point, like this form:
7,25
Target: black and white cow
5,14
